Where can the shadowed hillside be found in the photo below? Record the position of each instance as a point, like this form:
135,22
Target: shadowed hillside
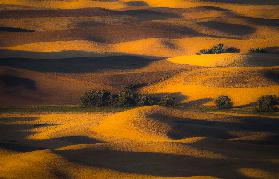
171,58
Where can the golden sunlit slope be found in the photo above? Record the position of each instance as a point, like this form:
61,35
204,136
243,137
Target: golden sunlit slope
61,42
145,142
242,77
62,81
229,60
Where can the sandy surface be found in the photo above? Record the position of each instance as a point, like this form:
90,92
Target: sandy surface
145,142
52,51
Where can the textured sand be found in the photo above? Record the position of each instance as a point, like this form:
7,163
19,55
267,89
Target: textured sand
145,142
52,51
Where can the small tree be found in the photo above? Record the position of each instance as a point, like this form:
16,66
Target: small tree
97,98
267,103
145,100
167,101
126,98
257,50
218,49
232,50
224,102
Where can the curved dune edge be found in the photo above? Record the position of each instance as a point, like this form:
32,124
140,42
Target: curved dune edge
133,130
150,46
239,96
108,5
257,173
228,59
135,125
47,164
253,11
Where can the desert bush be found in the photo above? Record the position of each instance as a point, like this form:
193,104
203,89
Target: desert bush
257,50
217,49
145,100
96,98
267,103
232,50
126,98
223,102
167,101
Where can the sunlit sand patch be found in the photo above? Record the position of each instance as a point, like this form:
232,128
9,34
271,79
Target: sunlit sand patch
150,47
134,125
66,4
240,96
258,173
205,141
46,164
81,45
174,148
66,125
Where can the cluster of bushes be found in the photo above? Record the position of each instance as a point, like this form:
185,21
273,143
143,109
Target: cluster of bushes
257,50
267,103
128,97
220,48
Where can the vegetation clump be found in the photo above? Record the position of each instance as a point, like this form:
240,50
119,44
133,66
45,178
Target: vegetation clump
145,100
267,103
257,50
167,101
224,102
218,49
96,98
128,97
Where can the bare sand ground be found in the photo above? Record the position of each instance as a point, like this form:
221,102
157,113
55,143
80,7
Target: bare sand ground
52,51
145,142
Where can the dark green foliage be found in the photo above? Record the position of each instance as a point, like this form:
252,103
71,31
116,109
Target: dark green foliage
257,50
145,100
267,103
217,49
232,50
224,102
96,98
126,98
167,101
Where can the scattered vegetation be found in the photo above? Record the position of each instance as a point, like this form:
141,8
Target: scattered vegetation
217,49
128,97
167,101
145,100
267,103
96,98
224,102
257,50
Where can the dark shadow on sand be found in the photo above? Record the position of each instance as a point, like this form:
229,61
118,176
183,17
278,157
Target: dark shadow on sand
12,81
78,64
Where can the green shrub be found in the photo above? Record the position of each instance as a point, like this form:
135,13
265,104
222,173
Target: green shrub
126,98
96,98
217,49
267,103
223,102
145,100
167,101
257,50
232,50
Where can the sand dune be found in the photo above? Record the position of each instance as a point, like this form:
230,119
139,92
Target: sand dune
52,51
242,77
169,140
229,60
